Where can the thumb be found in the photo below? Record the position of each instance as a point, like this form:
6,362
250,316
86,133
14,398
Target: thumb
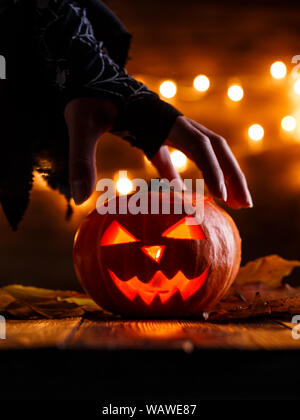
82,149
82,168
86,119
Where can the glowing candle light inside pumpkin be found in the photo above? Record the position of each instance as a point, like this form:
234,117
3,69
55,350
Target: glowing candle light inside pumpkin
201,83
288,123
256,132
123,184
179,160
168,89
297,87
278,70
235,93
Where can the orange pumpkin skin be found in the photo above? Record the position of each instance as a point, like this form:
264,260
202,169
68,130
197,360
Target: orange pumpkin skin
130,278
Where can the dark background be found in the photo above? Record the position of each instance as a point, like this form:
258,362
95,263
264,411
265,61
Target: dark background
228,41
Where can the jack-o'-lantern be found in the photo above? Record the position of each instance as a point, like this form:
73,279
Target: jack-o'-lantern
151,265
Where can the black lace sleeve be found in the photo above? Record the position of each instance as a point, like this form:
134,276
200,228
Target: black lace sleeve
77,63
57,50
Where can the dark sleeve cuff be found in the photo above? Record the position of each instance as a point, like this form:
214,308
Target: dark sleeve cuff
145,122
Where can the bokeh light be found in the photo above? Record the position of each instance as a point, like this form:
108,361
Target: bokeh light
289,123
256,132
179,160
124,185
235,93
168,89
201,83
297,87
296,134
278,70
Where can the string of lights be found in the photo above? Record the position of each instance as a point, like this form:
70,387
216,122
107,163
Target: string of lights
236,92
169,89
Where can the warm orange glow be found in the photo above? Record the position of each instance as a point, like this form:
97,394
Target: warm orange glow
296,133
256,132
278,70
116,234
297,87
155,252
179,160
201,83
160,286
147,161
39,181
235,93
288,123
168,89
89,203
182,230
159,329
124,185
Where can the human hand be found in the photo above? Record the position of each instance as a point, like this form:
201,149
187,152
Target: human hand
214,158
87,119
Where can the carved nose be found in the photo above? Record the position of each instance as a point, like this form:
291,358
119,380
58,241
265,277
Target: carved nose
154,252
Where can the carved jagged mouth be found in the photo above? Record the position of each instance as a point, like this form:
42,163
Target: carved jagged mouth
160,286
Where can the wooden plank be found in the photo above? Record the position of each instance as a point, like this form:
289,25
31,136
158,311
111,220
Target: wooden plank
43,333
183,335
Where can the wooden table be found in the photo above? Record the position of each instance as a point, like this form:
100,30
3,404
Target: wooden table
79,333
80,358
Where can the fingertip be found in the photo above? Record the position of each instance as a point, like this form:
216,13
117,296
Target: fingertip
248,205
80,191
249,200
224,192
220,193
238,204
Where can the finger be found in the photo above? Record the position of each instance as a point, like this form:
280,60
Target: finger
205,158
237,188
82,150
86,119
82,167
163,163
197,147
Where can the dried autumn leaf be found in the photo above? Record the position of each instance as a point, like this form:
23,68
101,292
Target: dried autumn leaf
5,300
20,310
83,302
54,309
283,301
18,291
23,302
269,270
257,292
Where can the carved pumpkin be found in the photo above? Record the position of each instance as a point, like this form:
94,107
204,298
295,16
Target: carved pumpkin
157,264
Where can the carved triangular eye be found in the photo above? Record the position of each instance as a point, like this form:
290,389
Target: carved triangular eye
184,229
117,234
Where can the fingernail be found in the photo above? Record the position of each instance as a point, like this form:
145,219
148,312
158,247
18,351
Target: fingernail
79,191
224,192
249,200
